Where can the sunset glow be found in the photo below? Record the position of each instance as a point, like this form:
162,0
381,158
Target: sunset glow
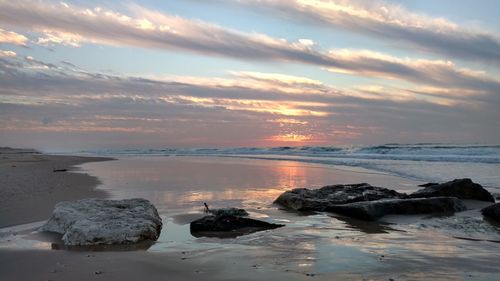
291,138
305,72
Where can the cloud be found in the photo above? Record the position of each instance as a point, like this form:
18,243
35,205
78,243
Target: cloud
12,38
45,83
284,121
420,71
72,25
7,53
387,21
61,101
256,81
291,138
242,88
150,29
52,38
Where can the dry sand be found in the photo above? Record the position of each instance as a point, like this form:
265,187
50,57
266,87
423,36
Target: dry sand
29,187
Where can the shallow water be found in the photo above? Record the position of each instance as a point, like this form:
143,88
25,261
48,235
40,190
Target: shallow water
432,162
186,182
321,245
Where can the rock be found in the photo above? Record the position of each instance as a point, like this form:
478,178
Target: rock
428,184
228,226
496,196
460,188
59,170
303,199
373,210
492,211
229,212
104,222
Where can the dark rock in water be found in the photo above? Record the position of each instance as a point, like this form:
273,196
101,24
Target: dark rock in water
496,196
228,226
460,188
492,211
91,222
428,184
59,170
374,210
229,212
303,199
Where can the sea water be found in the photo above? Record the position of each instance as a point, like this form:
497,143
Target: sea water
423,162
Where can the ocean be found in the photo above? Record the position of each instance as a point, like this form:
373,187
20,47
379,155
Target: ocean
426,162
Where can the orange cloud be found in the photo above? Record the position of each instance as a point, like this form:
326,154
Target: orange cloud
292,121
63,38
292,138
285,108
12,37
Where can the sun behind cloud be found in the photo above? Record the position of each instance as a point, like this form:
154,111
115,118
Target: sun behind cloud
295,139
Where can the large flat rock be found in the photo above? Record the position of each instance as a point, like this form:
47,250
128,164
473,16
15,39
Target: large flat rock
303,199
460,188
373,210
103,222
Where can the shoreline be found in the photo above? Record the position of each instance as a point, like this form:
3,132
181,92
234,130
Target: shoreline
31,186
325,246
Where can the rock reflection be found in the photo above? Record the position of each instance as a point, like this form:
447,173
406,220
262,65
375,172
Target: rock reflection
368,227
226,235
183,219
141,246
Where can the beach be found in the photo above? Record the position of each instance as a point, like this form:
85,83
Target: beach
274,140
317,246
31,188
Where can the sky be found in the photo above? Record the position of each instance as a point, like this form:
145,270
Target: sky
239,73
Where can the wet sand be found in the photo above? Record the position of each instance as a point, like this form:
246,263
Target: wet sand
320,246
30,188
120,266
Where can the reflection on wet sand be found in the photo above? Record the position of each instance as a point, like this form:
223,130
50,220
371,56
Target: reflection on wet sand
326,246
368,227
247,197
141,246
185,180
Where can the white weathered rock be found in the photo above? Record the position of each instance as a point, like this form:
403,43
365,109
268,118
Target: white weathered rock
98,221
